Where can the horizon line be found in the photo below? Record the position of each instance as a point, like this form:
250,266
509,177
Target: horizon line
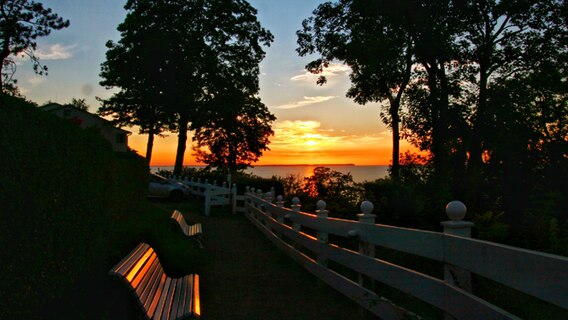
285,165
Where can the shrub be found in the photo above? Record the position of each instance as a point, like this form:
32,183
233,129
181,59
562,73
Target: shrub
62,189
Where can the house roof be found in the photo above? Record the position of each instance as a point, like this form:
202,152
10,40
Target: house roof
54,106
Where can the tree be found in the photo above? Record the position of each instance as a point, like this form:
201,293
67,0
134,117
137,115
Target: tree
498,43
80,104
21,23
233,132
128,109
180,63
339,191
379,52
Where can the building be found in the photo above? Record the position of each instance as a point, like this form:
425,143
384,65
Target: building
86,120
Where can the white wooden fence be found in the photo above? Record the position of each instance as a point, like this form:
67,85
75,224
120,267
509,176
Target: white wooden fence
213,194
541,275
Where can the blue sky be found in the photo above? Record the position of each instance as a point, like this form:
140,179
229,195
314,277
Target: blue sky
313,121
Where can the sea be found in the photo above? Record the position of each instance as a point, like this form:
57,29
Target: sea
359,173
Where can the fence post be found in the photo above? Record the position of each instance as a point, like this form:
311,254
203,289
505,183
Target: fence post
251,201
279,216
247,200
321,213
268,196
365,248
207,199
234,196
226,195
280,204
259,195
296,207
453,275
322,236
258,205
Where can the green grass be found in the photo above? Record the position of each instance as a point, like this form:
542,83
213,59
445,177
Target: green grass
178,254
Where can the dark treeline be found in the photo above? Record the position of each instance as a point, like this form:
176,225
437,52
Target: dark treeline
479,85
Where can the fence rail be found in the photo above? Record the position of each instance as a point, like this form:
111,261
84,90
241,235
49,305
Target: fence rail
213,194
537,274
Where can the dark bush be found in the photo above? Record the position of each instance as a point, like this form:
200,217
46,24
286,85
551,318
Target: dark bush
62,189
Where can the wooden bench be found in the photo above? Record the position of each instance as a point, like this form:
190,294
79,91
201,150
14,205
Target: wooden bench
195,231
160,296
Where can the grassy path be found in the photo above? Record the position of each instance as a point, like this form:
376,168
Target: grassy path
249,278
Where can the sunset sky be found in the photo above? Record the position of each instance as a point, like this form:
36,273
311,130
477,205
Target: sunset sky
315,124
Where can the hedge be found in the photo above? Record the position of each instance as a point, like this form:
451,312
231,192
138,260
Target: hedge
61,190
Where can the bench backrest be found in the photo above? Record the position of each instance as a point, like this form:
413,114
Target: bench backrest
177,216
142,271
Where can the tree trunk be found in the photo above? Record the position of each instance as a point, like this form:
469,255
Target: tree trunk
5,53
2,58
395,119
150,146
182,140
437,147
395,172
478,135
443,109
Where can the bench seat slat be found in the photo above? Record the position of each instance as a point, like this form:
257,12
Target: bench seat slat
146,285
162,300
156,297
185,297
178,293
195,297
149,293
142,274
168,302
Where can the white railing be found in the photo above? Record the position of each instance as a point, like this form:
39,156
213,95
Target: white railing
538,274
213,194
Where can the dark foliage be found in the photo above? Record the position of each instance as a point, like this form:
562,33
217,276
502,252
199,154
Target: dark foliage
486,99
232,132
63,191
21,23
178,67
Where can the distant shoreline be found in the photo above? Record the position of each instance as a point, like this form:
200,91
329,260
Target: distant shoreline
307,165
289,165
360,173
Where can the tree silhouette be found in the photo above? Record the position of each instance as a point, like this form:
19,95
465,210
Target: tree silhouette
21,23
129,109
379,52
232,131
80,104
179,63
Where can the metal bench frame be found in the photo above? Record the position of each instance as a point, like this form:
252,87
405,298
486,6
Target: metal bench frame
159,296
